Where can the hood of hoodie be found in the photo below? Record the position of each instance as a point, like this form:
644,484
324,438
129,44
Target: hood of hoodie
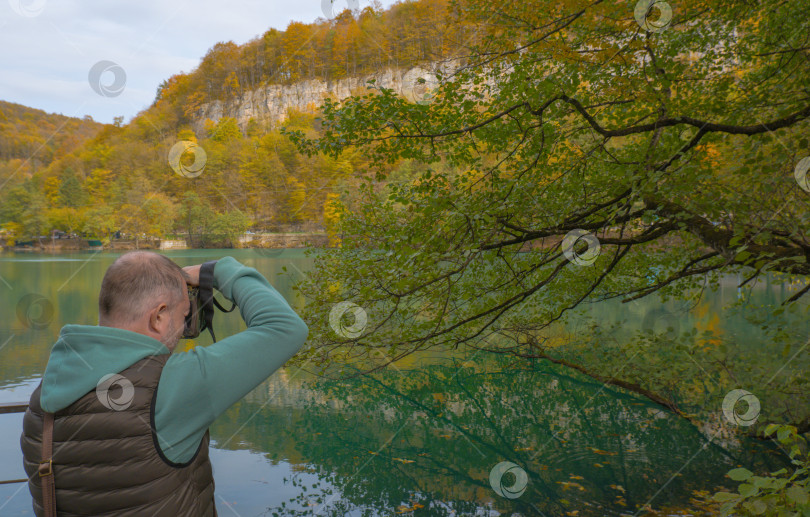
84,354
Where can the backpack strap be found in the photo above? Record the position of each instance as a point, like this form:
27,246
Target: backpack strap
46,467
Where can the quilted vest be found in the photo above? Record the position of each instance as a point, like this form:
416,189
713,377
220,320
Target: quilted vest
106,461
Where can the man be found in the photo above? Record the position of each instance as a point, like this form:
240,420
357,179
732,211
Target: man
130,423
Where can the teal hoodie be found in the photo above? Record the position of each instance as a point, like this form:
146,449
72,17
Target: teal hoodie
195,386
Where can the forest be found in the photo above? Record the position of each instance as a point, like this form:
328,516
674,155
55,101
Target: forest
94,180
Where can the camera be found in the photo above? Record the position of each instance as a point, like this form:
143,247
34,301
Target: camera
194,324
201,313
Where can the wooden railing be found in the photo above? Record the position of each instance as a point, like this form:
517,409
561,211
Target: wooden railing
13,407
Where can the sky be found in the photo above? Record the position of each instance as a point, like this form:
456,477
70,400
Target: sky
106,59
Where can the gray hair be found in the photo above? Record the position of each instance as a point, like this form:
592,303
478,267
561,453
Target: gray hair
136,281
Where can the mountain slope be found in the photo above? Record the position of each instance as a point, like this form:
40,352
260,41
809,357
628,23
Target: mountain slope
32,135
249,175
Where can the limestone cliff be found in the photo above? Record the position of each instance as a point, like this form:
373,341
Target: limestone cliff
270,103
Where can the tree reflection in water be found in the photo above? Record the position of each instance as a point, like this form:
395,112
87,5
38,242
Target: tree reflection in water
423,442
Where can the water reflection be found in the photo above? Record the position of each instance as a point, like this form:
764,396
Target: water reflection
428,438
423,437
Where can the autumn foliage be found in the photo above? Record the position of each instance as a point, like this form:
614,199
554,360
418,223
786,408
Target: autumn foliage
80,177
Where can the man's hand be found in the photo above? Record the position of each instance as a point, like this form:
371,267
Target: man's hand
193,273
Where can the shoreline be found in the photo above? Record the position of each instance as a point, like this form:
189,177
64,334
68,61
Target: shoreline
286,240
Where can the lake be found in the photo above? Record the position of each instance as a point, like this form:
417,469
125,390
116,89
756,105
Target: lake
422,437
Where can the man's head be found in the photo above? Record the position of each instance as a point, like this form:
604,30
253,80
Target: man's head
145,292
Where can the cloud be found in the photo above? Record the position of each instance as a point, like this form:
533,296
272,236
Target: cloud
47,55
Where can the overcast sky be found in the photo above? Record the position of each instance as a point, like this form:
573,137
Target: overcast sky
50,46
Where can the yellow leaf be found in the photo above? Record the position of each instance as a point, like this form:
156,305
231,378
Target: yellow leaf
570,484
407,509
603,453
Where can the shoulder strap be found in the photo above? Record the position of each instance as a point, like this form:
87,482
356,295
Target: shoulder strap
207,296
46,467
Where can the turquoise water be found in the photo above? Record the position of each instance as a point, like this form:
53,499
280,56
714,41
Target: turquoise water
419,438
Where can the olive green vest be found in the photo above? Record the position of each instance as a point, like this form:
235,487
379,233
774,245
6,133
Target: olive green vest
107,461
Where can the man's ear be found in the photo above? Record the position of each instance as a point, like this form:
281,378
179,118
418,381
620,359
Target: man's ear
158,317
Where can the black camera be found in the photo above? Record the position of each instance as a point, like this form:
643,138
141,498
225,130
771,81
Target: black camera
201,313
194,324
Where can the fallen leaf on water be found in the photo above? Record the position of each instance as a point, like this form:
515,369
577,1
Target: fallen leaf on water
603,453
571,484
576,477
407,509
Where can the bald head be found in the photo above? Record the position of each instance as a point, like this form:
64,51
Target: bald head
134,283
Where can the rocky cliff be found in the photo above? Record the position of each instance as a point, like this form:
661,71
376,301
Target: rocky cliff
270,103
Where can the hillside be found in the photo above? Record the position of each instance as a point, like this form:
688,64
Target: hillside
119,178
32,139
407,34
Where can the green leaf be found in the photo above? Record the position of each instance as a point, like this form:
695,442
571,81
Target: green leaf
743,256
756,506
747,490
770,428
783,434
797,494
740,474
722,497
761,482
